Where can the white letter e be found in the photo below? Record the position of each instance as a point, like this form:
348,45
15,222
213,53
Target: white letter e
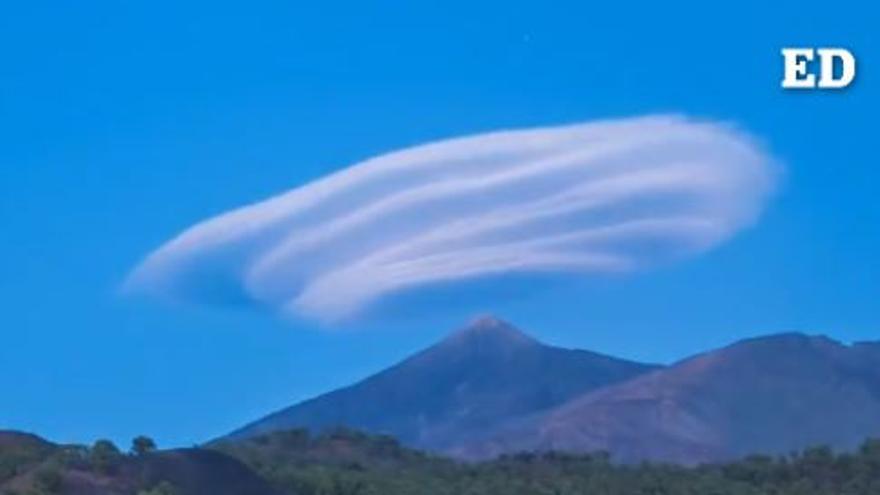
796,75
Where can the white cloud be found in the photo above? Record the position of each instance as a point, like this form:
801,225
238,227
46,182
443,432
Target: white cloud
608,196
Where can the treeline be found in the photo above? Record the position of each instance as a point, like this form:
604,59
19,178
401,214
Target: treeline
344,462
36,467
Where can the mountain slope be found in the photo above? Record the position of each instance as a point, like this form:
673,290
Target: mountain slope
202,471
483,375
21,451
767,395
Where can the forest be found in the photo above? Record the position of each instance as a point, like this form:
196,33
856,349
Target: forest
347,462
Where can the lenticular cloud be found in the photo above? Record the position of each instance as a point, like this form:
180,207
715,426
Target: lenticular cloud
602,197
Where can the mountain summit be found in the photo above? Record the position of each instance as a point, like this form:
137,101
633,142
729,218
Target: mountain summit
488,333
482,375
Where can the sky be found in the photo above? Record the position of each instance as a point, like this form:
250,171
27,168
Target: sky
125,123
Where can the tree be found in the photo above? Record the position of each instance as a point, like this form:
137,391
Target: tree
104,455
142,445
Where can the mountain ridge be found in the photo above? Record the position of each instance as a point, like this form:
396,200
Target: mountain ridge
482,373
489,389
768,395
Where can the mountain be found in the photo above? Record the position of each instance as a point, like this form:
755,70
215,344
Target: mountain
29,464
766,395
485,374
489,389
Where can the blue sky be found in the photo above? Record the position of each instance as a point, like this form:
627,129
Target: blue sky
125,122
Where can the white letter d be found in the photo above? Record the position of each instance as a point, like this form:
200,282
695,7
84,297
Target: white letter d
848,67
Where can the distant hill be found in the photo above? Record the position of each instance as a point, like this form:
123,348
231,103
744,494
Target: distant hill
30,465
769,395
21,451
485,374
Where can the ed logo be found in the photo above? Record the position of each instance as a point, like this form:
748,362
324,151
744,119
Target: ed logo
797,71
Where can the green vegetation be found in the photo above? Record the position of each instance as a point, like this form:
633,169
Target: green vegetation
47,478
349,463
104,456
18,452
32,466
142,445
345,462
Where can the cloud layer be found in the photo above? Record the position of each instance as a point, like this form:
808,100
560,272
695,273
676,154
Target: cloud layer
592,198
